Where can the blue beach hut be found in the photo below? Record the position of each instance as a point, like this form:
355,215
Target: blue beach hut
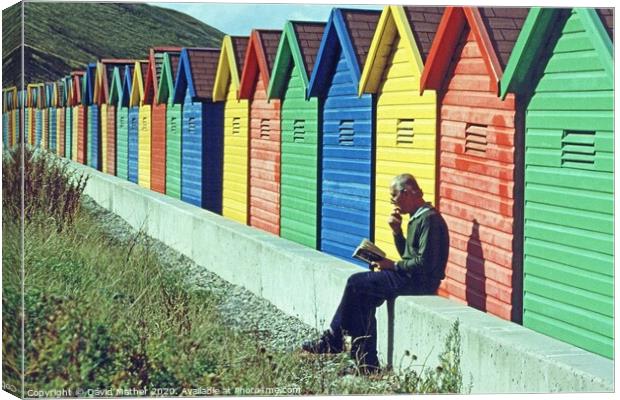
202,128
93,133
347,126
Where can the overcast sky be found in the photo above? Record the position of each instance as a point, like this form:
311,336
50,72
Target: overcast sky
240,19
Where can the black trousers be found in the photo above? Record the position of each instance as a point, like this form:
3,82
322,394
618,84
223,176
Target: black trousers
364,292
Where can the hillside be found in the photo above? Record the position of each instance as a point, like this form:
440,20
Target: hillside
60,37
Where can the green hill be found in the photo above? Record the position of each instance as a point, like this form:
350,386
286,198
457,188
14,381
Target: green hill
60,37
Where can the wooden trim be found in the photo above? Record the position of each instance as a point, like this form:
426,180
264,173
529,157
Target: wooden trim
486,47
442,49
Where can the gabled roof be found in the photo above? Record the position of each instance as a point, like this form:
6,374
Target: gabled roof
539,25
165,88
231,56
348,30
496,30
90,83
298,46
259,58
47,89
52,99
76,86
68,89
196,74
22,98
137,83
415,26
153,71
126,78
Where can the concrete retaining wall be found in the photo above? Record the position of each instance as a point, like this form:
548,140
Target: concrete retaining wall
497,355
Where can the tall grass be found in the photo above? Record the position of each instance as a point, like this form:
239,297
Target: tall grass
104,315
50,190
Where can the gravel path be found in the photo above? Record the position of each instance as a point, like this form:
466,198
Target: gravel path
240,309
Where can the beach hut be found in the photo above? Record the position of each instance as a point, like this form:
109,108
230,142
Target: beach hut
22,100
157,147
9,98
28,125
80,123
202,128
173,120
144,125
347,131
122,120
52,102
100,99
300,141
405,120
30,101
13,115
93,132
137,127
38,106
264,143
5,118
69,103
235,174
45,116
562,70
61,102
479,172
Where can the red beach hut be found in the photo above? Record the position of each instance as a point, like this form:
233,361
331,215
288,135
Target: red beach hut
264,143
479,189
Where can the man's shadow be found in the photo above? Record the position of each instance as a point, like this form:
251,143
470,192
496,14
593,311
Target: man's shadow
475,278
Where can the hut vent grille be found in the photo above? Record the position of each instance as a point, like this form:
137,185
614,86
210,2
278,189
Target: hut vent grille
404,131
578,149
236,126
265,127
346,132
476,140
299,131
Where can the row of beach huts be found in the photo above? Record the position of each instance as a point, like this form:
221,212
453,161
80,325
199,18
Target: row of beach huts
505,116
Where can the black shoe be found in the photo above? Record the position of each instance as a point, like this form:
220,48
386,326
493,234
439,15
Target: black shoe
328,343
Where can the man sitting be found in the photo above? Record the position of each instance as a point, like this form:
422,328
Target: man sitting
424,254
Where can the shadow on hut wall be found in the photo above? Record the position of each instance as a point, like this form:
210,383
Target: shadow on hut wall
475,277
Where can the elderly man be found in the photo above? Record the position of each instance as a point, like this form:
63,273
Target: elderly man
424,253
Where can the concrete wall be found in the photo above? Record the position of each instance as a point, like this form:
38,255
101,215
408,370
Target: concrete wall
497,356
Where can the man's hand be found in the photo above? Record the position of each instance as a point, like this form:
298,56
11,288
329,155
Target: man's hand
385,264
395,220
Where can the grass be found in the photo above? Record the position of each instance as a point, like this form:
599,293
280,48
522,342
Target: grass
103,315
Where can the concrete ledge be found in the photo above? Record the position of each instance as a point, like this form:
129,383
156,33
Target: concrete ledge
497,356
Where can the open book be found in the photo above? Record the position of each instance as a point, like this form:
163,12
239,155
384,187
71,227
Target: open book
368,252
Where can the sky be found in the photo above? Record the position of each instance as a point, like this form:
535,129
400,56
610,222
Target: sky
240,18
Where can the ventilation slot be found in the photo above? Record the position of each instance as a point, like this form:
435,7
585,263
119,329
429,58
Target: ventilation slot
299,130
236,126
578,149
192,125
404,131
476,140
265,128
345,132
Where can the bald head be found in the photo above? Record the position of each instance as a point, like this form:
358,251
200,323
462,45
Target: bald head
406,181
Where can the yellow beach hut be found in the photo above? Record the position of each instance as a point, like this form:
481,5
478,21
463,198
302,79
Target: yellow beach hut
236,113
405,120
